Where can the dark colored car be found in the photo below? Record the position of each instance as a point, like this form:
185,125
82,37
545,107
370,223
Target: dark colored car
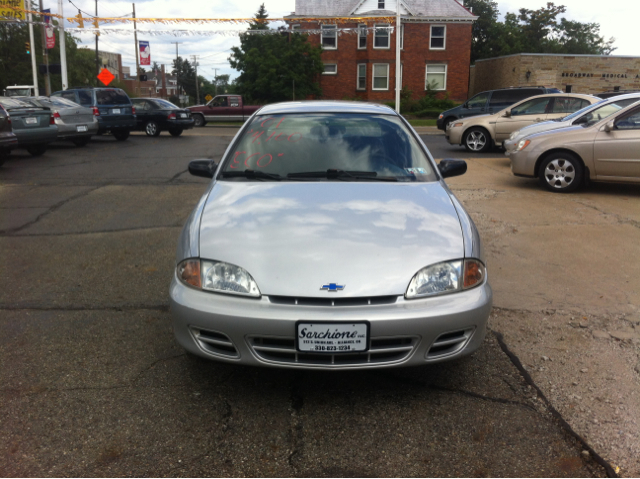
489,102
8,139
111,106
34,126
611,93
155,115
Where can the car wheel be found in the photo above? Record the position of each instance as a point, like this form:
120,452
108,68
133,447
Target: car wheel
80,142
199,120
121,135
561,172
477,140
175,132
152,128
37,150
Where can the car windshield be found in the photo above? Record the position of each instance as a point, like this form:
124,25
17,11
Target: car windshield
112,97
166,104
356,146
604,111
19,92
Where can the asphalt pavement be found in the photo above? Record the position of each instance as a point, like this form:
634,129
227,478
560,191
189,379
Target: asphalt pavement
92,382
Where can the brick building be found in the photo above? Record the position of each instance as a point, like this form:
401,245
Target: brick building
570,73
435,41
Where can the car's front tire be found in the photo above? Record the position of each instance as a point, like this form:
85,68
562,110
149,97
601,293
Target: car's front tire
37,150
199,120
177,132
152,128
120,135
561,172
477,140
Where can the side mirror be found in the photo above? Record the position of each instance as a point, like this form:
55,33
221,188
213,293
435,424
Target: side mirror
465,105
450,167
609,126
202,168
507,114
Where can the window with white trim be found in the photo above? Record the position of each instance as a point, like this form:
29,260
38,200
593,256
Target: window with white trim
436,77
330,69
362,76
381,4
437,40
381,36
329,37
380,76
362,36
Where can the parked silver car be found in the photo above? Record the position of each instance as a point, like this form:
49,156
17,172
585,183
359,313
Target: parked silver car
328,239
75,122
599,110
605,149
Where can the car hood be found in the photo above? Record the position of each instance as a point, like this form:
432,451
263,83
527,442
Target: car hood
293,238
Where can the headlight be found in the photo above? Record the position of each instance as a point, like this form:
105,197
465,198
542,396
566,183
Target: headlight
447,277
457,125
217,276
522,144
514,134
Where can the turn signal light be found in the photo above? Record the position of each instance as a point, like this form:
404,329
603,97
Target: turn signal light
473,273
189,272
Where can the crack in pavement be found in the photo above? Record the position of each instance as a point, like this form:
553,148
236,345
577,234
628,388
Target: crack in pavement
619,219
164,307
83,233
50,210
296,429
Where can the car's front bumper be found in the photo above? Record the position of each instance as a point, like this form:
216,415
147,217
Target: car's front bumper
261,332
454,136
523,162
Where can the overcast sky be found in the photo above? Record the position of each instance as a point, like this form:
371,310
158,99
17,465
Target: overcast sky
618,19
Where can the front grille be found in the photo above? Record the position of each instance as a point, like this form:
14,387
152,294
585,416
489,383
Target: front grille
283,351
215,343
365,301
449,343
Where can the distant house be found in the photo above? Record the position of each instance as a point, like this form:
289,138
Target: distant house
435,42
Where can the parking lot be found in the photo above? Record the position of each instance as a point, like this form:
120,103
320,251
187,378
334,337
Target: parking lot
92,382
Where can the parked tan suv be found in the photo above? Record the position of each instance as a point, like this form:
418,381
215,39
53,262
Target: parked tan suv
478,133
599,150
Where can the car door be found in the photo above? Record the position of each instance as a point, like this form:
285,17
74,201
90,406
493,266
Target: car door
142,113
218,109
616,153
476,105
520,115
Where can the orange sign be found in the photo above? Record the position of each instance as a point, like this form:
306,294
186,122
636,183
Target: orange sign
106,77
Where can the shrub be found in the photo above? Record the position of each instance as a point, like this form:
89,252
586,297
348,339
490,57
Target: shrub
429,113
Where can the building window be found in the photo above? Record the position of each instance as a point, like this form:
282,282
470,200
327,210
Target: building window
330,69
362,36
362,77
438,34
329,37
295,28
380,76
381,36
381,4
568,88
436,77
401,37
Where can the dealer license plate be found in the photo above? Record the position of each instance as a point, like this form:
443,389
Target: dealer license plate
82,128
332,337
116,111
183,115
31,121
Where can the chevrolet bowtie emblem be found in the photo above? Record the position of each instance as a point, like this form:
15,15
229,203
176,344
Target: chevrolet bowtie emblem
332,287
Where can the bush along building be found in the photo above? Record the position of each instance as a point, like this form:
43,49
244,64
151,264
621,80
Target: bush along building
435,47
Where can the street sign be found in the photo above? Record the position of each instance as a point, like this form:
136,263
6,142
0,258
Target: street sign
106,77
208,98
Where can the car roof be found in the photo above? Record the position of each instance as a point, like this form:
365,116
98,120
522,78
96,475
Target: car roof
623,96
315,106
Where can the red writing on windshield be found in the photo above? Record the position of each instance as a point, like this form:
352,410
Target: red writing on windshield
262,161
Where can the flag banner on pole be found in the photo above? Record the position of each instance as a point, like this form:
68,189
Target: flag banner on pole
145,53
49,31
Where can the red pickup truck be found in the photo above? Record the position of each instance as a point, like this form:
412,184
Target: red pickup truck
222,108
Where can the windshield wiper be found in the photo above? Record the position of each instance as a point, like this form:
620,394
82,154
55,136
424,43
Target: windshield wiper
252,175
333,174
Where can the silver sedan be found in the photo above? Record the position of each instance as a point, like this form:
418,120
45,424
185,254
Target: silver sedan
328,239
75,122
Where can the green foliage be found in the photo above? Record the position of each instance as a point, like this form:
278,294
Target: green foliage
429,112
186,74
532,31
270,65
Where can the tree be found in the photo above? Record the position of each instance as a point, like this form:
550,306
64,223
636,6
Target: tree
532,31
272,64
186,74
222,84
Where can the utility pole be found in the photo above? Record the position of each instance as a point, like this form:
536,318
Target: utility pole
195,63
178,89
32,44
97,61
45,52
63,48
398,64
135,38
215,78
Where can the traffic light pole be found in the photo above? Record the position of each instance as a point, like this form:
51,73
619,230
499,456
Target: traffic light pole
45,52
33,57
135,39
